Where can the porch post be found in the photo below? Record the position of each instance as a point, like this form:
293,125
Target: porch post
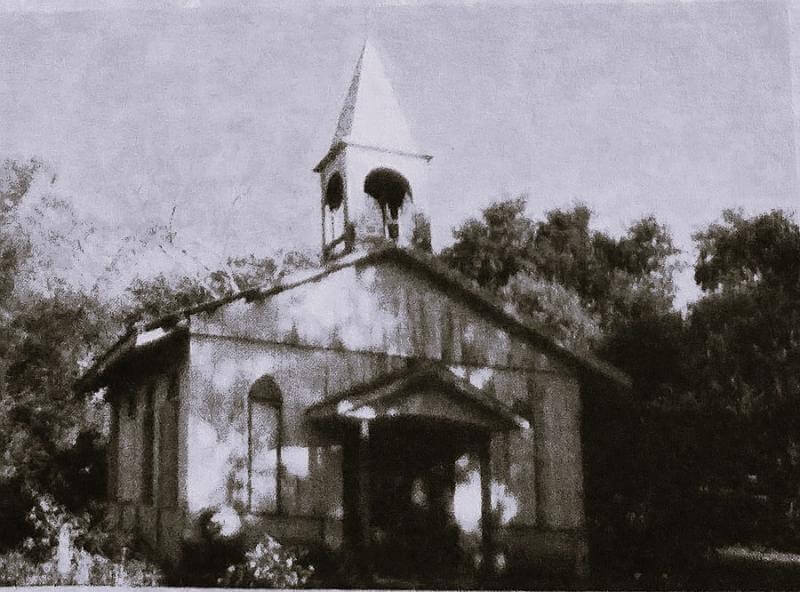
487,526
364,497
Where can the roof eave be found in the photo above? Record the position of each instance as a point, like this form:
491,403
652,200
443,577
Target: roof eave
93,378
340,145
335,148
376,148
134,341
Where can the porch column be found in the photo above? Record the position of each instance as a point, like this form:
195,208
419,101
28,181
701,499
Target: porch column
487,526
364,497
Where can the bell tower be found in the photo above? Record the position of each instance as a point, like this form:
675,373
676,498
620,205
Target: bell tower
373,176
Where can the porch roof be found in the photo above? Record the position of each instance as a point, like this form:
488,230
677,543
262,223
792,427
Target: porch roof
424,389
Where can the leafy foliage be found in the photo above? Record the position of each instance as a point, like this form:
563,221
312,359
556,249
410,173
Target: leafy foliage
745,337
86,569
55,316
556,307
153,297
717,454
583,285
492,250
745,253
221,552
51,439
709,431
70,549
268,565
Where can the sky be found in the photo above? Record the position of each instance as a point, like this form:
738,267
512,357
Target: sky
220,111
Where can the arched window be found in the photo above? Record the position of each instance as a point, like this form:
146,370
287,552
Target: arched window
334,196
334,192
390,189
265,438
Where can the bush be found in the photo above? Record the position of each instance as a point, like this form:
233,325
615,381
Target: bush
217,553
268,565
79,568
69,549
207,551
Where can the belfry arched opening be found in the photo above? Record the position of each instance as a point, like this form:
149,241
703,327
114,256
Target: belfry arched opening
392,191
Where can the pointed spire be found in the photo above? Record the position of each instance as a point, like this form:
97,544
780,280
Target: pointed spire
371,115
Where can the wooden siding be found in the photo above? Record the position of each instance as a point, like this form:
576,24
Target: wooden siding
382,308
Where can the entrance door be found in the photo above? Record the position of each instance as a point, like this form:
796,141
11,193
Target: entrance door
412,484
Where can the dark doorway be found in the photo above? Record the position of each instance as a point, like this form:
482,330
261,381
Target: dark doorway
412,479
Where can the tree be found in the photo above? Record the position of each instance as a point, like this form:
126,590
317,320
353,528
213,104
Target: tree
741,252
584,285
614,296
15,181
564,251
745,337
50,438
150,298
492,250
554,307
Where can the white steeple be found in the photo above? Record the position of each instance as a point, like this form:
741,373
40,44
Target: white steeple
371,115
372,165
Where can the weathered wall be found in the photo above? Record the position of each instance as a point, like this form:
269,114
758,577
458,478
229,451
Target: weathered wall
130,422
130,412
558,451
382,308
159,517
316,341
129,464
387,312
222,371
221,374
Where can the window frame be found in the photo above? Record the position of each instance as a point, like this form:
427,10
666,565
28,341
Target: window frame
168,496
274,401
149,452
335,190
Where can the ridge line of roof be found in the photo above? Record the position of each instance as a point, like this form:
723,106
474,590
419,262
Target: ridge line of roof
282,284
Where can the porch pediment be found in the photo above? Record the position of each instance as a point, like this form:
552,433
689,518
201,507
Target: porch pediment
423,390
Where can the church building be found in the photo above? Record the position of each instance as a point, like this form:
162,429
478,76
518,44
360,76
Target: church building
378,405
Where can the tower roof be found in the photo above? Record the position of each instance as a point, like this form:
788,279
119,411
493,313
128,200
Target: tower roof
371,116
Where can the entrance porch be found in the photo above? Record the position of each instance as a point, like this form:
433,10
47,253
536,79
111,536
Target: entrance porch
416,443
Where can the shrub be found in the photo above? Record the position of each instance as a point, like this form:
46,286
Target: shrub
68,549
217,553
268,565
207,550
80,568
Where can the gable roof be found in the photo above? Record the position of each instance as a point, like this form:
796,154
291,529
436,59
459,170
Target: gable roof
453,283
354,402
